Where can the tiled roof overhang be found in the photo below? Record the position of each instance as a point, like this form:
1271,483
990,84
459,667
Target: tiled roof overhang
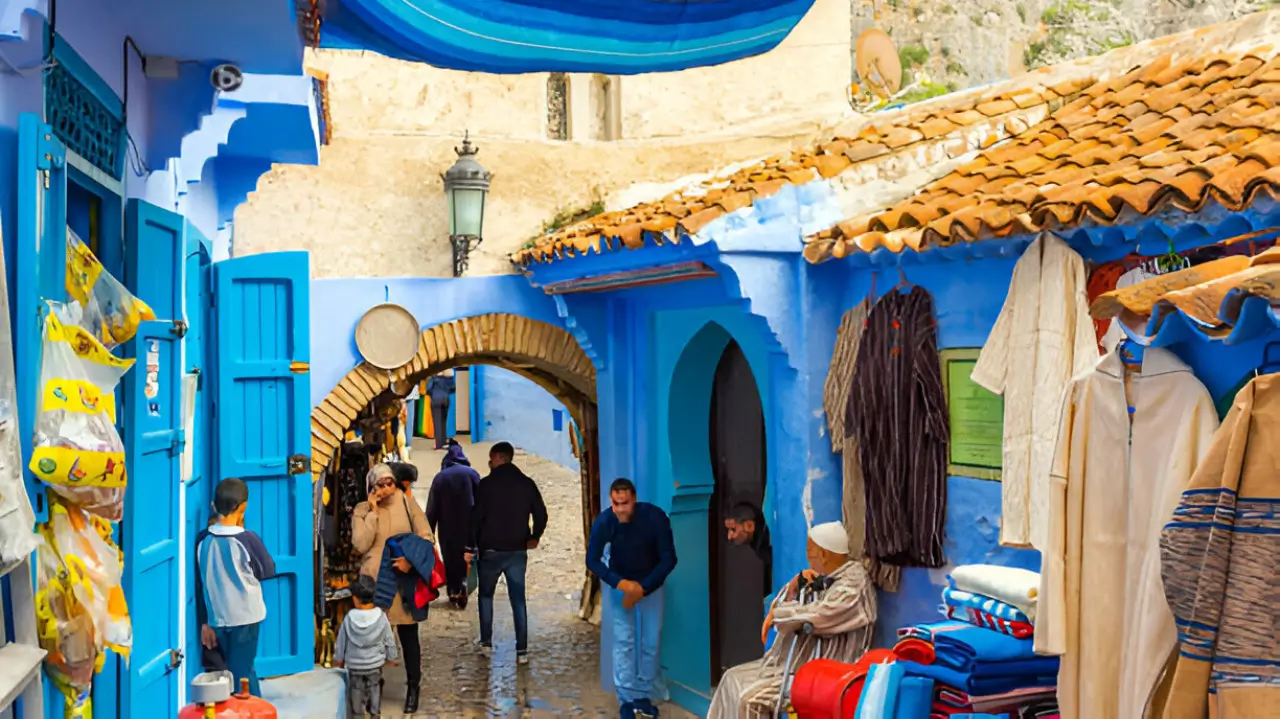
1194,126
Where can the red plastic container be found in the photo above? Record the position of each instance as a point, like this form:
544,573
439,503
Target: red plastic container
827,689
239,706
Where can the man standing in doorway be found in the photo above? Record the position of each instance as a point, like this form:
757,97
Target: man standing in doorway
745,526
505,501
440,389
632,550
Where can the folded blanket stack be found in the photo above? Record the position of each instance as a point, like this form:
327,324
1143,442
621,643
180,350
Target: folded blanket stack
999,598
979,661
971,662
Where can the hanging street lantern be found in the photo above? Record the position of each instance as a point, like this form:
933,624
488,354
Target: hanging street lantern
466,186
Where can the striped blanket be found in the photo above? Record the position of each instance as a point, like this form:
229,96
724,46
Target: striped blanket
953,597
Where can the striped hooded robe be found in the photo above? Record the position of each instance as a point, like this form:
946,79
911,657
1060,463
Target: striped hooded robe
898,412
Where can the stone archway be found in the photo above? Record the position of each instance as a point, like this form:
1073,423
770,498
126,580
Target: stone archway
543,353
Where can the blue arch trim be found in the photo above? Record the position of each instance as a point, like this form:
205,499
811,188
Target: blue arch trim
621,37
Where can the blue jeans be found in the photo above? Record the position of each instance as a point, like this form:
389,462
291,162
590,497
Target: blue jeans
511,565
637,634
239,648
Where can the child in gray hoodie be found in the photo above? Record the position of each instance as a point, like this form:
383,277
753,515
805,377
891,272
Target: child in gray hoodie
365,643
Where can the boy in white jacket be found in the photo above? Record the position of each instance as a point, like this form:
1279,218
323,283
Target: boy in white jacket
365,643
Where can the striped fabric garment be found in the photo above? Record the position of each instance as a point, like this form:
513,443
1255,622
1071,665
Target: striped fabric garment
897,410
952,597
977,617
1218,556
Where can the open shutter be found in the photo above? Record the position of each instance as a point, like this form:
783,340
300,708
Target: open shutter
198,484
262,310
40,270
153,445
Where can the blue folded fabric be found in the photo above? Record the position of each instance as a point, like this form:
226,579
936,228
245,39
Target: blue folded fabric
1034,667
976,686
879,698
963,647
915,698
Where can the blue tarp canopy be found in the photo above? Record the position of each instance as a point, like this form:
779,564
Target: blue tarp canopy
615,37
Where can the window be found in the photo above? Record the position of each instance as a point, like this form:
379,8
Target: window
558,106
557,420
606,107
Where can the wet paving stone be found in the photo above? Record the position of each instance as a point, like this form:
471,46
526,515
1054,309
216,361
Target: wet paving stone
562,678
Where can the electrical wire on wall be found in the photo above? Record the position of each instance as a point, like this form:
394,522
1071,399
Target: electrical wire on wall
132,153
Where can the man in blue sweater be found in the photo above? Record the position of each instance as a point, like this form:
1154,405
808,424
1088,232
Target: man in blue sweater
632,551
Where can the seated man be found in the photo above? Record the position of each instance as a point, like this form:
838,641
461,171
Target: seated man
835,596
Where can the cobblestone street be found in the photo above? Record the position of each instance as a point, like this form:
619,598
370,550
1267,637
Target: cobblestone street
562,677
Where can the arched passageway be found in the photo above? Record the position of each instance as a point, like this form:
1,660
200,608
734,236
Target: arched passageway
541,352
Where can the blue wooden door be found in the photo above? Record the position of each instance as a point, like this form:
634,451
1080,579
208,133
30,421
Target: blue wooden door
262,314
198,485
39,273
152,413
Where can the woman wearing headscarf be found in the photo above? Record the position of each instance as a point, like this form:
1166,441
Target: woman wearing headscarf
449,512
389,513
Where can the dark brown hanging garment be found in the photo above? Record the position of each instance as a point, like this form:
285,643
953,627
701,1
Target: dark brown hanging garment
898,412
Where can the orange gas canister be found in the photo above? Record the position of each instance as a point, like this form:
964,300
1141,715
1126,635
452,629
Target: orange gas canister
212,699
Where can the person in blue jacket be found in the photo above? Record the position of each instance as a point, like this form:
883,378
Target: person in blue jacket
632,550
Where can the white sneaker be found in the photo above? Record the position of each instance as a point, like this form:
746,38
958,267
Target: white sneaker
522,657
485,649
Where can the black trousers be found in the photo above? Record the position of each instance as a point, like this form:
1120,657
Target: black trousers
440,424
411,646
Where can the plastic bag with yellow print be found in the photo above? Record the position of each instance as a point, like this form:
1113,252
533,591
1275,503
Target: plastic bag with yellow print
111,313
94,564
66,631
77,448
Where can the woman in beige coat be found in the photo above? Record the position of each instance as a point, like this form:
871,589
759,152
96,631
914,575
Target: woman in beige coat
391,512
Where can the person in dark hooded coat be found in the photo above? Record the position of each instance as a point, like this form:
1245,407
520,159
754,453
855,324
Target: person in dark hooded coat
449,514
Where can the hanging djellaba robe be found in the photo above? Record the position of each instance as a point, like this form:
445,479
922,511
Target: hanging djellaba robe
835,400
897,410
1116,478
1042,338
1219,558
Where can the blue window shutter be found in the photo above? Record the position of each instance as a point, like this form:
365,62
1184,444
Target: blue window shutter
199,486
154,440
39,270
262,424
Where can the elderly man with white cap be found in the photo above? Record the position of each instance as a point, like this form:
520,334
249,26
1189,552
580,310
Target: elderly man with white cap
834,597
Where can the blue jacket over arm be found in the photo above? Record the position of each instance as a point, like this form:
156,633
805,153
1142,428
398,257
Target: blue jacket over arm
642,550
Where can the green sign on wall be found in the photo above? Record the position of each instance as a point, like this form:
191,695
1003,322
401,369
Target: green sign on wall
976,416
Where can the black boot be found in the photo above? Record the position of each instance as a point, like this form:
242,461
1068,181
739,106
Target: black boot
411,700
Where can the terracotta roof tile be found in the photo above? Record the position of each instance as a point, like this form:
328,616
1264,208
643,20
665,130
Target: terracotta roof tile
885,146
1191,125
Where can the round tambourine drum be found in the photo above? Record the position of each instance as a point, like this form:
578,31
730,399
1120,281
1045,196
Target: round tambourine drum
388,336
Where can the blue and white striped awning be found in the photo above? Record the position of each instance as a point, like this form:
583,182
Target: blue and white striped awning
616,37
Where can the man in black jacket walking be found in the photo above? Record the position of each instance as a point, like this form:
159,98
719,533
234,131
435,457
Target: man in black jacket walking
504,503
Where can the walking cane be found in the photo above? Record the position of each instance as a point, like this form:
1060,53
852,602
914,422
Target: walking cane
784,690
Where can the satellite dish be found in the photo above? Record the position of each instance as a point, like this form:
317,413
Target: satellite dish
388,336
878,63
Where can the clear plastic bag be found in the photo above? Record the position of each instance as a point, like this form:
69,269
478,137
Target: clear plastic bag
93,564
66,630
78,450
111,313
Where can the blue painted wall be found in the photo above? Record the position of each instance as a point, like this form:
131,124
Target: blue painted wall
338,304
514,409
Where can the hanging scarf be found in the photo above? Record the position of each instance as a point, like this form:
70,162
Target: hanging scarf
897,411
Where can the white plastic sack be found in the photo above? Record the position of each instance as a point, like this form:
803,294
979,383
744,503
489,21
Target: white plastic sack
17,521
